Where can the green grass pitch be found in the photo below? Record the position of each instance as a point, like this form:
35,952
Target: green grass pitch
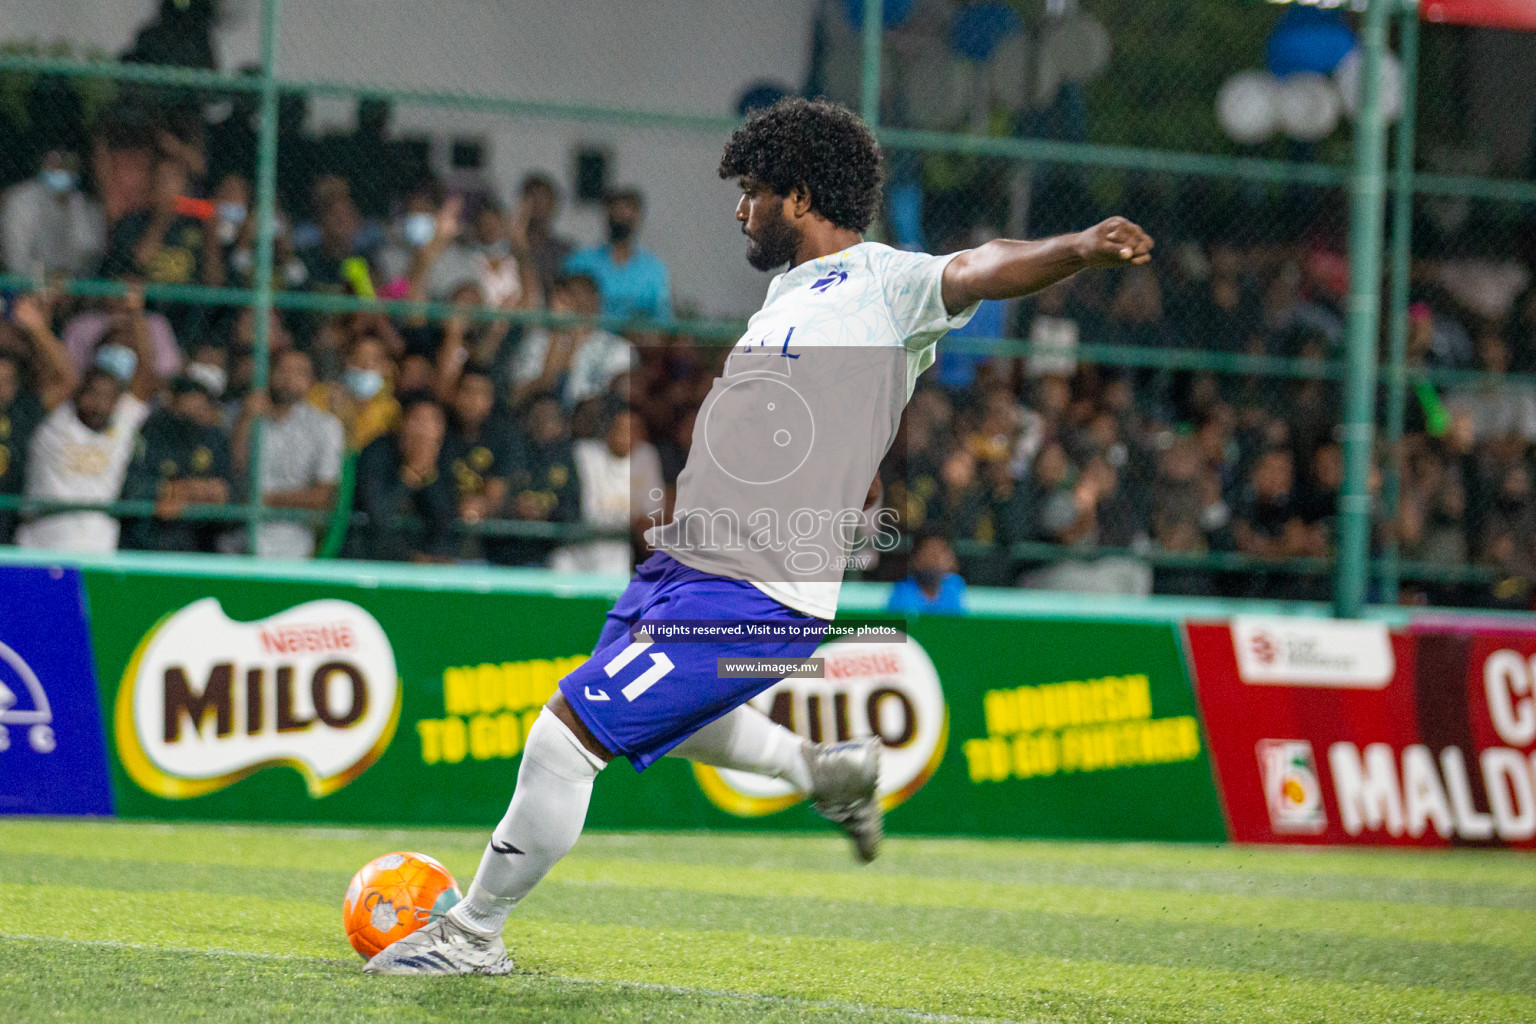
106,921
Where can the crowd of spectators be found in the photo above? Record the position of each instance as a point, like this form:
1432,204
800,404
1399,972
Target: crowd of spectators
435,433
416,425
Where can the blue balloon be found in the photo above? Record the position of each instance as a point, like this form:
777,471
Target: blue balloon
1308,39
894,14
978,28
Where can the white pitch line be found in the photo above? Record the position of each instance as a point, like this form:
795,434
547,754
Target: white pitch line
644,986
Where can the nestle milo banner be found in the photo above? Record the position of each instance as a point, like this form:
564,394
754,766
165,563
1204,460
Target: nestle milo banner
290,700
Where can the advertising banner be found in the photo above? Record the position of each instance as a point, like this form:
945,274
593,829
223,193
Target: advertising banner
1071,729
286,700
51,755
1344,732
292,700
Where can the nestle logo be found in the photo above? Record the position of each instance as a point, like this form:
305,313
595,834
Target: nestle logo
302,638
886,664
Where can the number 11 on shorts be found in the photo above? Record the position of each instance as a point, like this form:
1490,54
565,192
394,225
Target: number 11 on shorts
660,666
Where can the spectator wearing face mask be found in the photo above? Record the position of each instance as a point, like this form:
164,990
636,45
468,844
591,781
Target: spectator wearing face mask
209,367
288,270
934,585
301,454
48,226
84,333
231,217
181,459
80,452
632,280
363,400
424,258
401,489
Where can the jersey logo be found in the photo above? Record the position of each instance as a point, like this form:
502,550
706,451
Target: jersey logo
832,280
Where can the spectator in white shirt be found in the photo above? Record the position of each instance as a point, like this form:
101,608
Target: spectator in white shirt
49,226
301,454
621,489
1498,407
81,451
575,362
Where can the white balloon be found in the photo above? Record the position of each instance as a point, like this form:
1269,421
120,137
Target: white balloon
1347,77
1309,106
1248,106
1009,71
1080,46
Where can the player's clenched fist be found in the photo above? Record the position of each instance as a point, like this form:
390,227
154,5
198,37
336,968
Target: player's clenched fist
1114,243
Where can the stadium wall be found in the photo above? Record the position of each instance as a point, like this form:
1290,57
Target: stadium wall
173,687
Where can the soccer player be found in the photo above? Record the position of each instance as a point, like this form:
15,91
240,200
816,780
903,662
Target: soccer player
784,451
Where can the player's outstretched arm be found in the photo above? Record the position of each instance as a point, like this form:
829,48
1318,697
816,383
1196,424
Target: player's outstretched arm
1006,269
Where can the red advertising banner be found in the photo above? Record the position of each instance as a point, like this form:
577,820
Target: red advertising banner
1516,14
1343,732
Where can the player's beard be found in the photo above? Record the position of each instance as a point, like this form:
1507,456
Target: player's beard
774,244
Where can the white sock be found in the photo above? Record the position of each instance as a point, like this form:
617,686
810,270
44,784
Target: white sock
748,740
548,809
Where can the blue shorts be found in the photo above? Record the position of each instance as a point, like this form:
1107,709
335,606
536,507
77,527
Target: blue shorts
671,704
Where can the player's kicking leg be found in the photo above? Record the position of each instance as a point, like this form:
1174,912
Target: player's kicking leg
641,700
840,778
554,786
548,809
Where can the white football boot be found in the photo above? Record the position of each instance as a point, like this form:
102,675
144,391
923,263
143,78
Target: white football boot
844,777
443,947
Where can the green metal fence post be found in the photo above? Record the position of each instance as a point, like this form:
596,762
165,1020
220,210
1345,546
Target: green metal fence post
869,92
266,201
1402,243
1365,231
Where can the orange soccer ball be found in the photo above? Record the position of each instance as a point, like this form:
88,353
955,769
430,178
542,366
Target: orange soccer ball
393,896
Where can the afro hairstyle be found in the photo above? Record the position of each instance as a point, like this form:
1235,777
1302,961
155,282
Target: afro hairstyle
820,145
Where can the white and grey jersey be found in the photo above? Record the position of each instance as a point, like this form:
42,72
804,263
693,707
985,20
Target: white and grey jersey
791,434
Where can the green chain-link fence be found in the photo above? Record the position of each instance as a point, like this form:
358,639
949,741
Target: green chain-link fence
1175,429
